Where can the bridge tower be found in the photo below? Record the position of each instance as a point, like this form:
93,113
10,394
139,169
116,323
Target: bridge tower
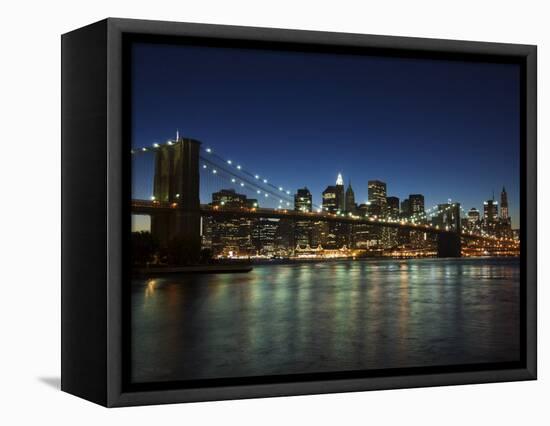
176,182
449,244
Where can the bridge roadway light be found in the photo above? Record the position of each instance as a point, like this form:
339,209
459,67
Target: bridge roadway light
233,180
265,180
257,177
156,145
242,184
208,150
238,167
229,162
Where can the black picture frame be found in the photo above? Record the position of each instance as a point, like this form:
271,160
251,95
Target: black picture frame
95,211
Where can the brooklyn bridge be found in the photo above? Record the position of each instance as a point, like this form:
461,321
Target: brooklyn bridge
182,165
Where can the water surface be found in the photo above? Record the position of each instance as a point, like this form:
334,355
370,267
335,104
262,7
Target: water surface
329,316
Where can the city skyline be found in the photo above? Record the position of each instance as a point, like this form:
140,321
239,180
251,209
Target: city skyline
443,129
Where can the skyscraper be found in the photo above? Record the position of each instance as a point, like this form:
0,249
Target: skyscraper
350,200
490,210
405,208
473,215
490,216
263,235
303,200
504,214
392,206
416,205
340,198
474,220
330,203
377,191
302,229
377,197
333,197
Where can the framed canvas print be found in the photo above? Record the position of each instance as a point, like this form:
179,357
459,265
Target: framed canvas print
253,212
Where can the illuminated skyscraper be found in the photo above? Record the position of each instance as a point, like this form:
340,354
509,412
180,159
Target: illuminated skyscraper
490,210
377,198
333,197
303,200
416,205
405,208
340,197
330,204
302,228
263,235
350,200
474,220
490,216
231,237
504,214
392,206
377,191
473,215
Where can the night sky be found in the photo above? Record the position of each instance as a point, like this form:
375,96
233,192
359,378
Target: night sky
441,128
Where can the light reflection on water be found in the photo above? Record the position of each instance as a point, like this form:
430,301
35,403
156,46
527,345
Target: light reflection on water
334,316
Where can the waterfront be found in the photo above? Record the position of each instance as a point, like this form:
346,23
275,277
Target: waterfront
325,316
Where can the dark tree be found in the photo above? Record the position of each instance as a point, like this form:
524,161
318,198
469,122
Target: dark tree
144,247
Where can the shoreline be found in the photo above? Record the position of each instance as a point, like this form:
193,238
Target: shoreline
245,266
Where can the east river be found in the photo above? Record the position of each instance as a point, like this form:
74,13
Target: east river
325,316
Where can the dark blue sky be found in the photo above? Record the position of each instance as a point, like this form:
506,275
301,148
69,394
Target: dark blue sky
444,129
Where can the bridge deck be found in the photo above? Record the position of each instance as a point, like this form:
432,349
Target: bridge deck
154,207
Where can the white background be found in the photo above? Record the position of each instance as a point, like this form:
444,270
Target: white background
30,210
